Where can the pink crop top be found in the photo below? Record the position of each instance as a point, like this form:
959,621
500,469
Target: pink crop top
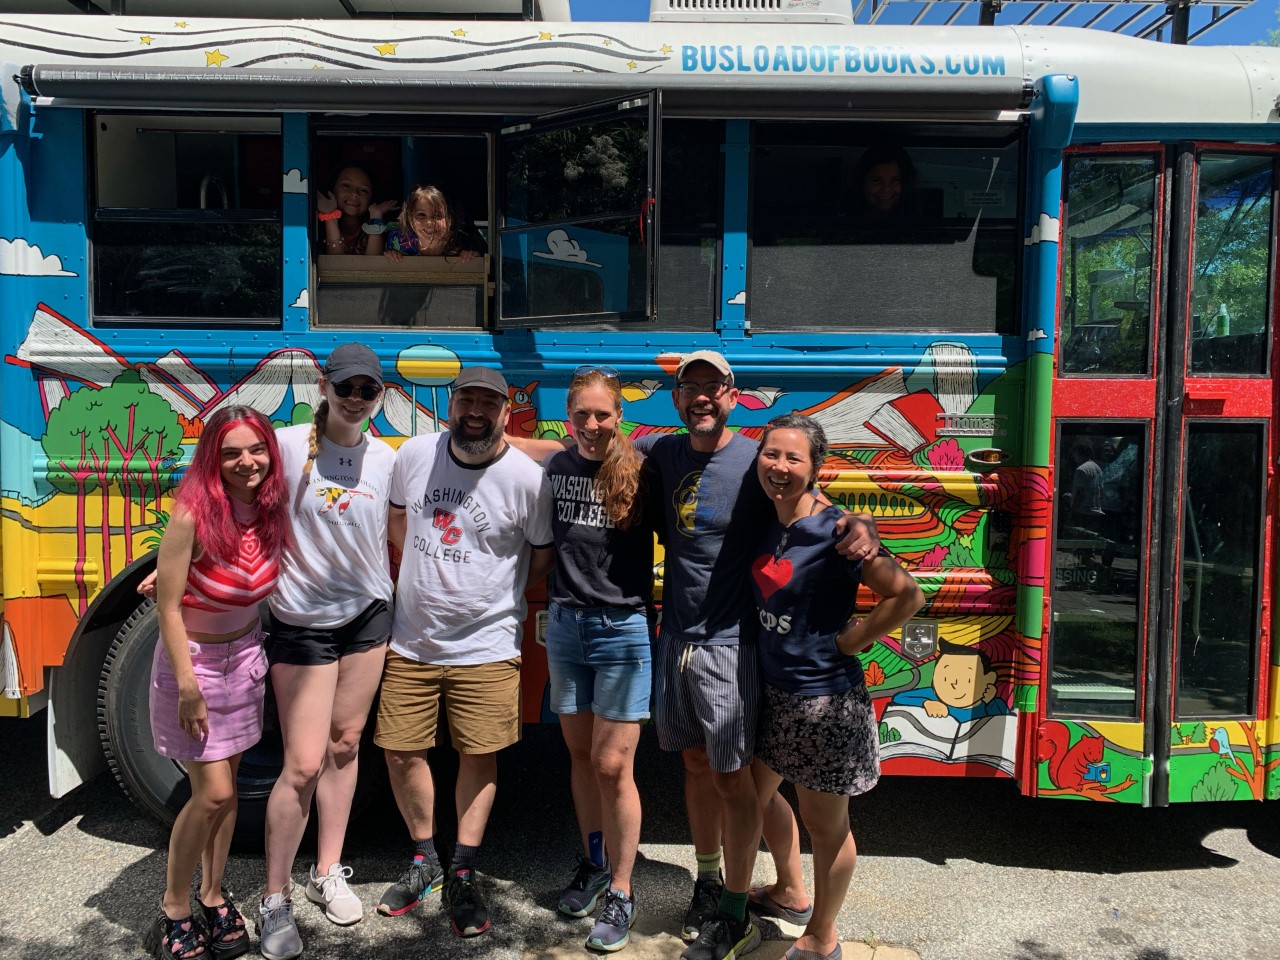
222,597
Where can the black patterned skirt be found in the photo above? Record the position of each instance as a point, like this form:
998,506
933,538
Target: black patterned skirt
829,744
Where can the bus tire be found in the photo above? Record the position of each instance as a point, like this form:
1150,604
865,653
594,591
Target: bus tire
157,785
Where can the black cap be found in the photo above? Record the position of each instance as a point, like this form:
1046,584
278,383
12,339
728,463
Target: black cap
485,377
353,360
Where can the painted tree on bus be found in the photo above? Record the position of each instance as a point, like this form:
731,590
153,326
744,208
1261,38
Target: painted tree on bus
146,440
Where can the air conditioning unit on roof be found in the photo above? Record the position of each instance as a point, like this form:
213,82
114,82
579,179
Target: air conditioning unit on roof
751,11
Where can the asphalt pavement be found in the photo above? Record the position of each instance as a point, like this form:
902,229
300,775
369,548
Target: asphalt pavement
948,870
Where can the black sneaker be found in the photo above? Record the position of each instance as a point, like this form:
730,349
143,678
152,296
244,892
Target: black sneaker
422,877
589,883
723,938
468,916
703,907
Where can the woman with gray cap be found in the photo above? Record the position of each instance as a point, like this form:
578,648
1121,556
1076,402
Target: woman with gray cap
330,622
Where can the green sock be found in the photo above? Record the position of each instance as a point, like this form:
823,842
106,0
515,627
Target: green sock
734,905
708,865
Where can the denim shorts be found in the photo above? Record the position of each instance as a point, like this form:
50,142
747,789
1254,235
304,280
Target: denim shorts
599,660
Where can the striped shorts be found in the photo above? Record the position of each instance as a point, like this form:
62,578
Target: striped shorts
708,695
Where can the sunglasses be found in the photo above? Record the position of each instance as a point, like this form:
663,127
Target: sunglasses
367,391
586,369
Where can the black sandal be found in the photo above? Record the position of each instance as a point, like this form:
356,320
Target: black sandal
223,923
174,939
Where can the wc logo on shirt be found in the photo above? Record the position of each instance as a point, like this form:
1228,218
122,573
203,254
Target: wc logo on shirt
443,520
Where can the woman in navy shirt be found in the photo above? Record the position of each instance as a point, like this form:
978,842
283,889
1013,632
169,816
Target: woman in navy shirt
819,729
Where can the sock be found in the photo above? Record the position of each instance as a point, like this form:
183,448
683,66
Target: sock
425,850
464,858
595,848
709,866
734,905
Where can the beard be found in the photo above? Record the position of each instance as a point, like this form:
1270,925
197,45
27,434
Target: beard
721,417
471,444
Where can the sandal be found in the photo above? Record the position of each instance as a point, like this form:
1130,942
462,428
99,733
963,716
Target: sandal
228,936
175,939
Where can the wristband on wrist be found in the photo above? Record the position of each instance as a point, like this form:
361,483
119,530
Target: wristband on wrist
374,228
376,220
331,215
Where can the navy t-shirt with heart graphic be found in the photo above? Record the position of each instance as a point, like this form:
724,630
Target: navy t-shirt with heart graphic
805,594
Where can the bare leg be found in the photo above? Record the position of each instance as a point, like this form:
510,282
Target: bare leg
476,790
742,823
782,836
702,802
578,730
358,678
414,789
613,756
304,696
826,817
196,831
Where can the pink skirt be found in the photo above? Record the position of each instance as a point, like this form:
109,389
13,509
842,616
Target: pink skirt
233,679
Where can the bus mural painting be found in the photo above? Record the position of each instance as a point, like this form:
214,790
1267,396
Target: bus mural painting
1052,384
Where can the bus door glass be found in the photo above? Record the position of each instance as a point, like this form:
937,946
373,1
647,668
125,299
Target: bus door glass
1161,440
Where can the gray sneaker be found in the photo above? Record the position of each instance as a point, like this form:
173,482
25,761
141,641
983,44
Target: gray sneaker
278,937
579,898
613,926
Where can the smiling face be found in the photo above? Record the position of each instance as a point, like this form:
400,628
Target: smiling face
353,191
882,187
477,417
785,466
594,413
348,414
244,461
959,680
430,222
703,399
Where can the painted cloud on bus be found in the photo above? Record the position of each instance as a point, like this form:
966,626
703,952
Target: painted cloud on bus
21,258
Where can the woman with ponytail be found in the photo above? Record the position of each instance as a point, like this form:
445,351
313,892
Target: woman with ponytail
598,644
330,622
218,560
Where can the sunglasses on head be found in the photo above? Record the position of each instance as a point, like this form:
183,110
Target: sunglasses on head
607,372
367,391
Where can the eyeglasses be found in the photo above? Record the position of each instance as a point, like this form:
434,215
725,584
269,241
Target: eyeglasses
367,391
587,369
691,388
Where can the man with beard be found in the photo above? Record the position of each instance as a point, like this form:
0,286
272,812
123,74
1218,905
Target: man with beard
707,684
472,520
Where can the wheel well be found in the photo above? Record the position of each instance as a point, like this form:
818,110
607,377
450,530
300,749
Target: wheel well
75,753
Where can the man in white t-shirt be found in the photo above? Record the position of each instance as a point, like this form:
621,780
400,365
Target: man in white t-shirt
472,518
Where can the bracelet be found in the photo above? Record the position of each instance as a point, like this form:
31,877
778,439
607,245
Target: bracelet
374,228
331,215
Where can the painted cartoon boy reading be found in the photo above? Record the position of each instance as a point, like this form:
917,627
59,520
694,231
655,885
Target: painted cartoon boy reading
964,686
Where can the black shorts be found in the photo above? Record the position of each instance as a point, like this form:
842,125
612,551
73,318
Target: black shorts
313,646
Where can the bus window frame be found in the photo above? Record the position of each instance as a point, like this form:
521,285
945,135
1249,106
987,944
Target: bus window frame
95,214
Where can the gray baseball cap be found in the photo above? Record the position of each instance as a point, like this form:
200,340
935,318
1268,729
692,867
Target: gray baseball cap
485,377
353,360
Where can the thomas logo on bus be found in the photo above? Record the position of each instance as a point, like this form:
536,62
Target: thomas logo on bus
836,58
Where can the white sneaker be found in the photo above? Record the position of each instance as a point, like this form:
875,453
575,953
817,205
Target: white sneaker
278,937
341,906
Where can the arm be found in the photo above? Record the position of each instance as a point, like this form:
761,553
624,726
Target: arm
541,560
378,211
328,203
900,597
397,524
859,538
176,550
538,450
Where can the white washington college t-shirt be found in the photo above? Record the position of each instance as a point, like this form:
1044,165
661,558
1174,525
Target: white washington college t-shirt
467,545
338,563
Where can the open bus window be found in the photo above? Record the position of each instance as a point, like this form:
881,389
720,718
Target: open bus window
1098,556
1106,282
871,229
356,289
1232,270
187,218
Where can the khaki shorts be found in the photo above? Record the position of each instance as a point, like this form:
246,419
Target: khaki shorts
481,701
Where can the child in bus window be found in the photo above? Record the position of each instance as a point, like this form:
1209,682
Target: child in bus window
884,186
429,227
352,223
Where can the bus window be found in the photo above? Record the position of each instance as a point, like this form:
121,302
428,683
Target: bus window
1106,283
1232,276
690,203
1098,557
938,253
357,290
186,220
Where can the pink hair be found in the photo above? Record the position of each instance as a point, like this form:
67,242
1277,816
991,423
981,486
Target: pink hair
201,491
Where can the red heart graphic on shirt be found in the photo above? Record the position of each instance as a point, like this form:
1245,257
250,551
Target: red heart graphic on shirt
770,575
